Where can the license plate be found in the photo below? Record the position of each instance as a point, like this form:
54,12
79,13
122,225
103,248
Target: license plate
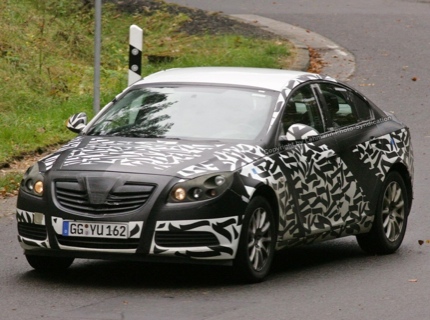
95,229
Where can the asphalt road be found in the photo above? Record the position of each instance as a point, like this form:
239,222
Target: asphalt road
390,43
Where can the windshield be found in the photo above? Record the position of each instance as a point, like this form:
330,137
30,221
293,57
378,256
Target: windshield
193,112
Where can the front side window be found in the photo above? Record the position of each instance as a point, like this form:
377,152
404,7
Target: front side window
194,112
302,107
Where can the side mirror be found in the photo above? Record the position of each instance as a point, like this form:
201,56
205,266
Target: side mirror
77,122
299,132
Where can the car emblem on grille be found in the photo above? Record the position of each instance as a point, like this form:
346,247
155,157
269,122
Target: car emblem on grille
98,189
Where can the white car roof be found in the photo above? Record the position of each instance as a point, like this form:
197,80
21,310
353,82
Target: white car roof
272,79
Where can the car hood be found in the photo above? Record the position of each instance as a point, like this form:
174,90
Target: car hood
151,156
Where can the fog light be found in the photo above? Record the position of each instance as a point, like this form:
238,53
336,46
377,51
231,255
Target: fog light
38,187
39,218
179,194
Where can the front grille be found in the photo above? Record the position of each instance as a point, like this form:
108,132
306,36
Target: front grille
178,239
32,231
73,195
98,243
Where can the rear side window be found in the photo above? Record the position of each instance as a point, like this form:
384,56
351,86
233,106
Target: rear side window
363,110
344,106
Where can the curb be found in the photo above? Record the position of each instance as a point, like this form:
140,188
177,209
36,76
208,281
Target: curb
339,63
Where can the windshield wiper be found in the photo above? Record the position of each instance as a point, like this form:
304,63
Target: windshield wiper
170,138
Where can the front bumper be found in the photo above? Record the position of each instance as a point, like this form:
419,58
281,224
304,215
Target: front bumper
206,230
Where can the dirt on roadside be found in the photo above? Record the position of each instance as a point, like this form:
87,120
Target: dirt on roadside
200,22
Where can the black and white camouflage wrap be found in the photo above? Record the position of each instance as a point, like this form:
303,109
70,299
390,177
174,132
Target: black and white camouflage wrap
381,153
306,77
34,218
329,201
328,196
226,230
77,122
317,196
49,160
299,132
160,154
277,111
230,158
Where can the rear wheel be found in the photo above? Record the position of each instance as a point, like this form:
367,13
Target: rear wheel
257,241
391,218
49,264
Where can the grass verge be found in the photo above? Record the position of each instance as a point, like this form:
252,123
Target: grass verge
46,65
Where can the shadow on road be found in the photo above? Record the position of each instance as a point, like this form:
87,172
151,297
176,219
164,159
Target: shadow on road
119,274
335,253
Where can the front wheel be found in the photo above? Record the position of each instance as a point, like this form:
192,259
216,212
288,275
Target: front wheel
391,218
49,264
257,241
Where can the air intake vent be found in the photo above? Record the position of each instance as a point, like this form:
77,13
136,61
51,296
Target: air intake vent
176,239
32,231
98,243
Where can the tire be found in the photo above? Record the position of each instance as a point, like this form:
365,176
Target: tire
49,264
257,242
391,218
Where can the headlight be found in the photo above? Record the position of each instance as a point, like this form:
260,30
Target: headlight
33,180
202,188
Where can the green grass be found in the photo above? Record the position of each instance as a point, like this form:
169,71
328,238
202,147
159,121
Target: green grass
46,63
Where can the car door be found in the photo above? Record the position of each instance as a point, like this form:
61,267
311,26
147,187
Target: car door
311,169
351,121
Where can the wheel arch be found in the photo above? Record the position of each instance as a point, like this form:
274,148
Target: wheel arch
269,194
403,171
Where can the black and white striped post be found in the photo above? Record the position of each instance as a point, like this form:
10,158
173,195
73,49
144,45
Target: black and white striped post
135,54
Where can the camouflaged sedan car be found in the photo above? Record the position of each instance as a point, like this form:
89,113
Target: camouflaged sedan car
222,166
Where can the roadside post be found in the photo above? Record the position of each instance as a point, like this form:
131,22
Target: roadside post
135,54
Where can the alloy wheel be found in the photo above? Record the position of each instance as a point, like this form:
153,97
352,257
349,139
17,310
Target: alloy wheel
259,239
393,211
